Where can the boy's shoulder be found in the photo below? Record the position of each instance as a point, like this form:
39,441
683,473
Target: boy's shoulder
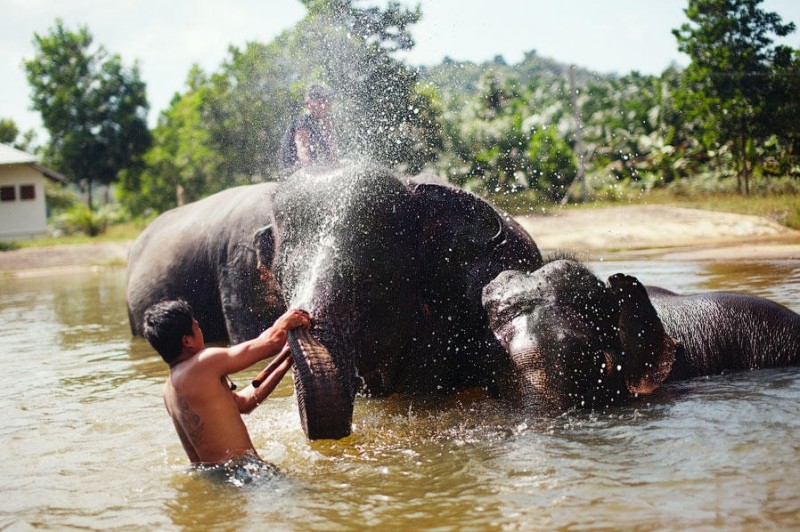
186,383
200,365
183,370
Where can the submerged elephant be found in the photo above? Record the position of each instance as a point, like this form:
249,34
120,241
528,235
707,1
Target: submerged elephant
576,341
391,272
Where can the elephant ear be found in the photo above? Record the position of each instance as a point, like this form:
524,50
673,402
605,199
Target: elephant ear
249,297
648,352
455,221
264,244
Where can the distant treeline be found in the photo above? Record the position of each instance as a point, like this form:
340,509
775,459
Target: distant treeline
731,119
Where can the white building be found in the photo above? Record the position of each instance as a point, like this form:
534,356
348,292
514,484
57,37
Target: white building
23,213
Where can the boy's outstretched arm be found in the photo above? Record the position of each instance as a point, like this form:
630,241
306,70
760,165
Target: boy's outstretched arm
251,396
223,361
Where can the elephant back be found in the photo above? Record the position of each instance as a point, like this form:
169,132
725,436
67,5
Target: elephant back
183,252
720,331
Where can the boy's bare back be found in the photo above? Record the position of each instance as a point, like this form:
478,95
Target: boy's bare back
205,414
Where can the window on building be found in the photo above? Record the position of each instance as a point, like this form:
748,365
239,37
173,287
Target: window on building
27,192
8,193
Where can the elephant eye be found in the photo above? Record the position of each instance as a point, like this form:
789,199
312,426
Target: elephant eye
513,309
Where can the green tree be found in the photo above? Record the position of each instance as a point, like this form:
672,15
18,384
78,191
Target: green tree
490,137
244,106
10,134
227,127
93,107
508,138
730,43
8,131
183,164
782,116
422,129
625,124
552,163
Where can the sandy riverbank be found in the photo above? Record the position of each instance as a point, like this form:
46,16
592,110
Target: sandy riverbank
39,260
663,231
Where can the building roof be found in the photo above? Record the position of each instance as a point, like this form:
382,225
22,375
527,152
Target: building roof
9,155
55,176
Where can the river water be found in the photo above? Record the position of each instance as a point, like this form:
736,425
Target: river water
86,442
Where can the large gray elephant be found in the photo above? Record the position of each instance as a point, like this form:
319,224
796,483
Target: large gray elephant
204,252
391,272
576,341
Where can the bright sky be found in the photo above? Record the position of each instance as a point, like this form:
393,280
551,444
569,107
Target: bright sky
168,36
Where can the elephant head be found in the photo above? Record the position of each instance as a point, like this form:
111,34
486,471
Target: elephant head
464,244
392,274
575,341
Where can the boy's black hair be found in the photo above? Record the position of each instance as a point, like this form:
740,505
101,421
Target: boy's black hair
165,325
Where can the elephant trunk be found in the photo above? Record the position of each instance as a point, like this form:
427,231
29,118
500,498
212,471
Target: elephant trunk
539,383
324,389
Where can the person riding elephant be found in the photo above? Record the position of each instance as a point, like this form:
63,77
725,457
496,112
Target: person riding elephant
391,272
578,342
311,137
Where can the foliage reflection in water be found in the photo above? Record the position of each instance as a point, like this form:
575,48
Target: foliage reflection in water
87,443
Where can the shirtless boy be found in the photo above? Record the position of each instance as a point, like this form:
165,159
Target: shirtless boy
205,411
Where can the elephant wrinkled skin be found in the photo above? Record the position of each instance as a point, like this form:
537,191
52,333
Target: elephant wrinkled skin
392,273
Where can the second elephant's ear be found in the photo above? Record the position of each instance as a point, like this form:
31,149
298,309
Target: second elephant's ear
648,351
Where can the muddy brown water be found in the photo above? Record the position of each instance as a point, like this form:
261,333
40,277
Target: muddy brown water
86,443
